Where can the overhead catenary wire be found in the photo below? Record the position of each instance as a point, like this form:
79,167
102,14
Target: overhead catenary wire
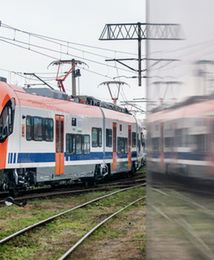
63,49
12,42
48,38
52,57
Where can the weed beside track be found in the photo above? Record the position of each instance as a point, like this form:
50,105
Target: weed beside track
55,238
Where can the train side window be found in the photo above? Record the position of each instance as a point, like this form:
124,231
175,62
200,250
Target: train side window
47,128
181,137
70,143
100,137
86,144
37,129
96,137
109,137
168,142
133,139
121,127
122,147
200,142
78,144
155,144
29,128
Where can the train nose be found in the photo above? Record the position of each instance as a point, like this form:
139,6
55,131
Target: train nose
7,119
7,112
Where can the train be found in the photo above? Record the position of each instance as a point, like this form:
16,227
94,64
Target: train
50,137
180,139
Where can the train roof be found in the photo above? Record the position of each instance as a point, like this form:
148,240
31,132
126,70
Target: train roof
58,101
191,108
83,99
188,101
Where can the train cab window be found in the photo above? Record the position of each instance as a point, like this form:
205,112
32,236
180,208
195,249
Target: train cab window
74,121
7,120
96,137
134,139
109,137
122,146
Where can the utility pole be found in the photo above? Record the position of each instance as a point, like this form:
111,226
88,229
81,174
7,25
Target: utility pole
139,53
140,31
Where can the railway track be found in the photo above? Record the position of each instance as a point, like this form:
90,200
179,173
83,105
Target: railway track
113,179
44,193
179,183
92,230
189,201
195,219
23,231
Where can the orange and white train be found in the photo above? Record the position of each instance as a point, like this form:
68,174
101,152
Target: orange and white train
181,139
47,137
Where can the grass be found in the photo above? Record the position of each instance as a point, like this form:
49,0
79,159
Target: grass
51,241
14,218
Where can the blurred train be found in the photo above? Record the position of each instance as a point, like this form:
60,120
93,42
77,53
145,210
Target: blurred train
181,139
48,138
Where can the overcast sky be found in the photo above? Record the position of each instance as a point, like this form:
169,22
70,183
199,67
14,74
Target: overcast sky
194,77
75,21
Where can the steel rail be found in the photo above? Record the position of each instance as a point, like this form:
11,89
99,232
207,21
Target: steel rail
22,231
113,179
199,243
101,187
195,240
186,199
80,241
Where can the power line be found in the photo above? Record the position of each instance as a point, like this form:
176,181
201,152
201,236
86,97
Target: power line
20,74
6,39
48,38
17,45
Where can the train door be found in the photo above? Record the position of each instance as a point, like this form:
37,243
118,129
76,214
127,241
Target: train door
129,147
114,154
59,157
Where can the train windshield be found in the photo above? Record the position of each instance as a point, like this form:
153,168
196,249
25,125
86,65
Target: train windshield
7,120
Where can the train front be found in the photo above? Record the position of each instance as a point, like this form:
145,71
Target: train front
7,112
